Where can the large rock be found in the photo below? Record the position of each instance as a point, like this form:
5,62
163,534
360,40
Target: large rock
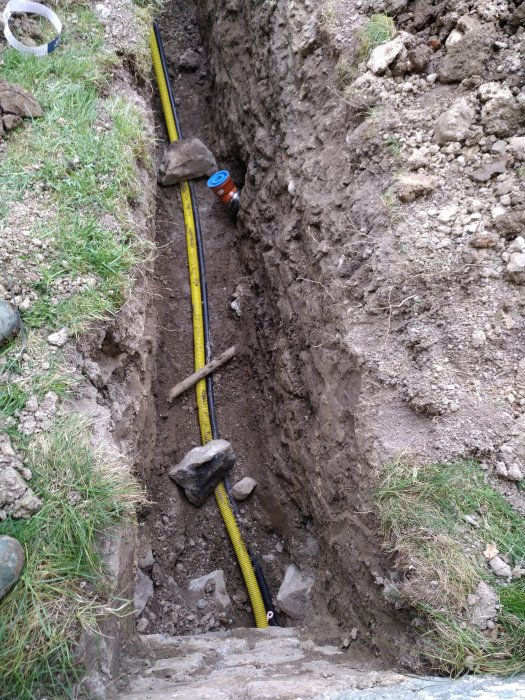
12,559
15,100
184,160
467,57
202,469
501,114
517,147
385,54
484,606
454,124
213,587
293,593
409,187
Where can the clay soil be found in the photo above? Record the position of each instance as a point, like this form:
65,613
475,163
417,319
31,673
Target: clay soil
188,542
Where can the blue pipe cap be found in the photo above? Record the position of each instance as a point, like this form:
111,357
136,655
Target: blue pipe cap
218,178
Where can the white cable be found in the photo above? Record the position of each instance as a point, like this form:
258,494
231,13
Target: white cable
35,8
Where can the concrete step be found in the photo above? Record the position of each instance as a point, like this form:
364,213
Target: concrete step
245,664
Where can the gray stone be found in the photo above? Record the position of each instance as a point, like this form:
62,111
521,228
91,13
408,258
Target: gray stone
212,585
59,338
455,123
500,567
293,593
489,170
190,61
502,114
512,223
145,553
16,100
243,488
517,147
143,591
385,54
16,498
186,159
202,469
12,560
9,322
516,267
485,606
467,57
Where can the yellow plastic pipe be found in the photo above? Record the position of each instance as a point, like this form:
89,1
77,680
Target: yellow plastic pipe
221,496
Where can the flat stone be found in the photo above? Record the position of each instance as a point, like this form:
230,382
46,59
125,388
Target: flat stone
212,585
293,593
16,100
12,560
484,239
202,469
485,606
500,567
143,591
243,488
186,159
489,170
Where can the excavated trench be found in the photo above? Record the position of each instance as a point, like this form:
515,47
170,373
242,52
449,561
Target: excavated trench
287,403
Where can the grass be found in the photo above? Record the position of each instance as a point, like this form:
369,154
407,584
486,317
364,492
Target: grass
377,30
82,155
79,163
63,588
422,510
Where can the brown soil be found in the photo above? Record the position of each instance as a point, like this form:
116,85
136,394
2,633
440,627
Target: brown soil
188,542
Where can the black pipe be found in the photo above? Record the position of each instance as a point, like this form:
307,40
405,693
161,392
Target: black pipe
259,574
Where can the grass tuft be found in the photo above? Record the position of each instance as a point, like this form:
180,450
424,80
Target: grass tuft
422,510
62,589
378,30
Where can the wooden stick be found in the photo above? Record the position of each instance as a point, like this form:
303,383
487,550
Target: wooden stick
190,381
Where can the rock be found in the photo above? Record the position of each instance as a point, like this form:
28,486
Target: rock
511,224
145,552
143,591
489,170
293,593
455,123
11,121
16,498
243,488
484,239
502,114
467,57
214,586
516,267
448,214
514,472
9,322
517,147
485,606
500,567
142,625
15,100
517,19
59,338
184,160
202,469
385,54
12,560
478,338
190,61
409,187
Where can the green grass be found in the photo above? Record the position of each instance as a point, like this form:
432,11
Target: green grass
377,30
84,148
422,511
63,587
